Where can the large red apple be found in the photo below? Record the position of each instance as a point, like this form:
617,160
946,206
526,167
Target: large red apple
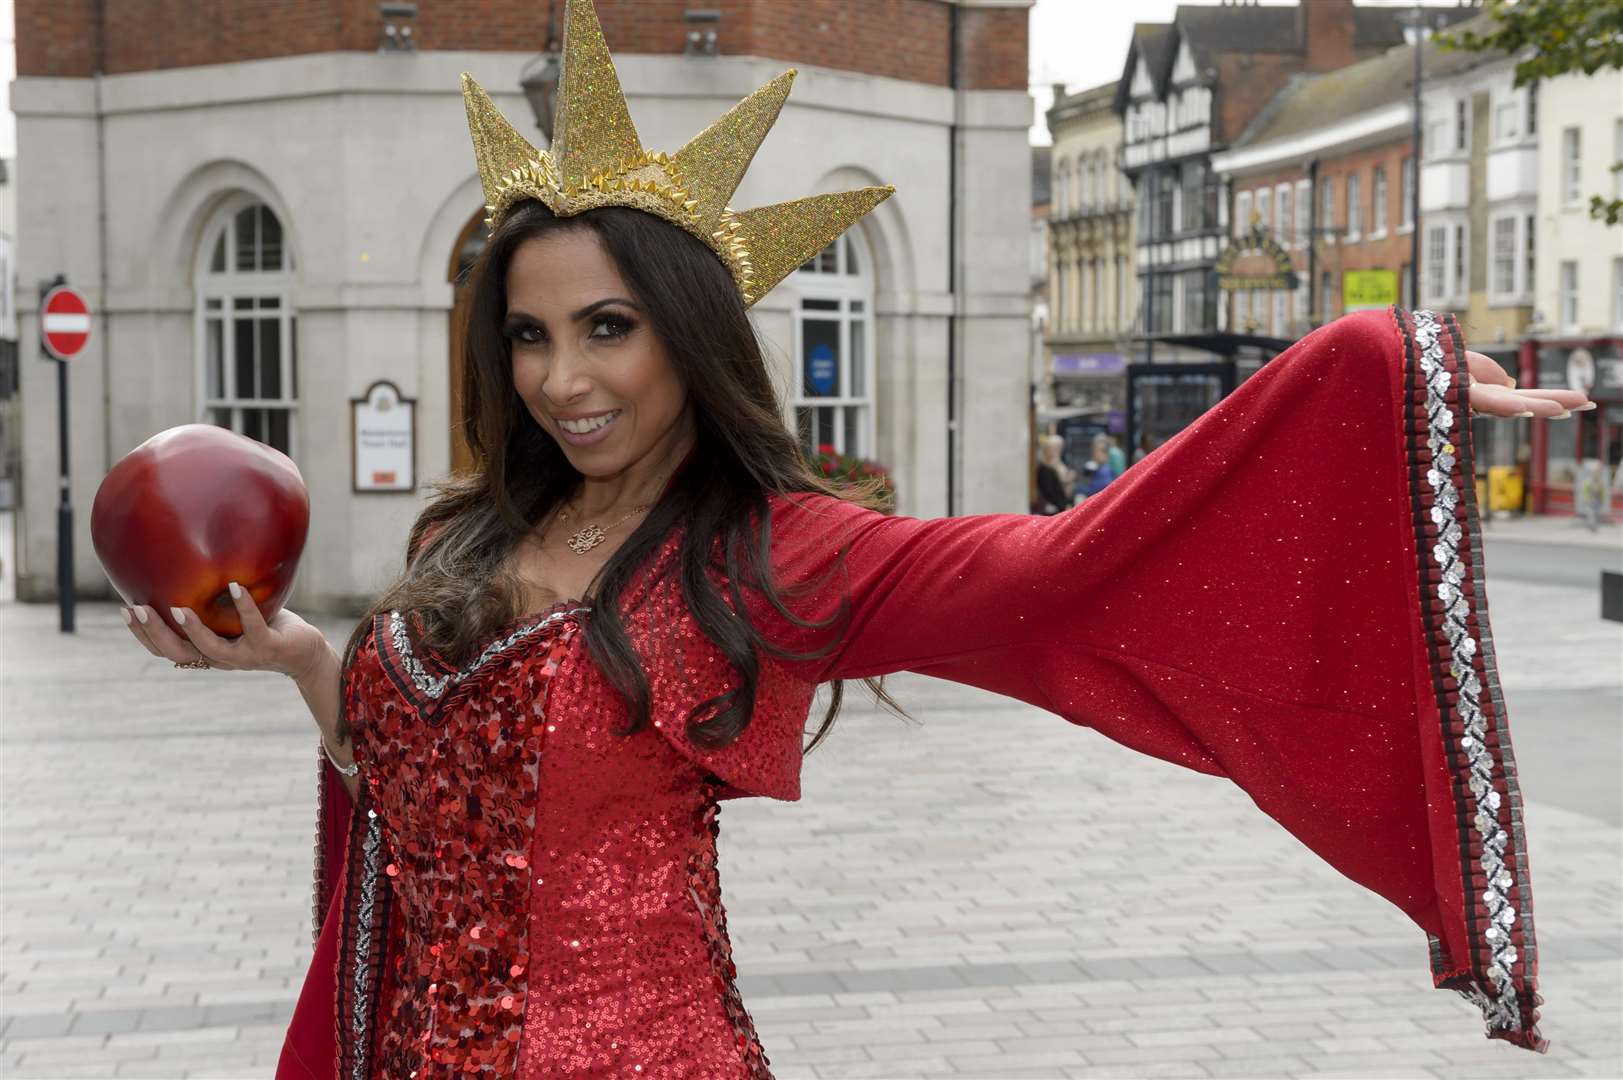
191,510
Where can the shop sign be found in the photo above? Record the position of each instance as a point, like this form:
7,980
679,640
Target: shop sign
821,372
1089,364
1366,290
1255,261
383,439
1595,369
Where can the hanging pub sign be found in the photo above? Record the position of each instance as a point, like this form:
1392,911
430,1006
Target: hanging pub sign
1254,260
383,430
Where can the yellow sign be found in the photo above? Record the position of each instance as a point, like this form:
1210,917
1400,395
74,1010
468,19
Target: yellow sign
1362,290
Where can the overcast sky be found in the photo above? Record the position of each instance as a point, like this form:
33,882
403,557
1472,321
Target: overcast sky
1083,43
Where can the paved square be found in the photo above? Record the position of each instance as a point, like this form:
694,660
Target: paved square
990,892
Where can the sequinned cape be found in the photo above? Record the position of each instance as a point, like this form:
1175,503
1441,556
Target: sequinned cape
1289,593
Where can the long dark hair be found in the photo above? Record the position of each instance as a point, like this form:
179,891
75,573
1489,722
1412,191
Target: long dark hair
458,584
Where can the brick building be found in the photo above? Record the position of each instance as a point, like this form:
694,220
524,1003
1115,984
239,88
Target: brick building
1326,171
269,204
1188,90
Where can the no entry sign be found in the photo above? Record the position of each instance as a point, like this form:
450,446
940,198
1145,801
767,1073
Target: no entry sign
65,322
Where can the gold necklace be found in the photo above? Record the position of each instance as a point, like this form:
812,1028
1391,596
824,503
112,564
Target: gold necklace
590,535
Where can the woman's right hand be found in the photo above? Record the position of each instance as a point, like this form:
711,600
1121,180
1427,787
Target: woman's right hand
285,644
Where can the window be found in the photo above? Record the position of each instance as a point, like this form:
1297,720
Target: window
245,327
1299,312
1304,208
1123,318
1242,213
1437,140
1059,297
1527,254
1406,213
1377,206
1355,209
1199,300
1242,311
1571,167
1462,123
1195,181
1507,119
1276,321
1265,208
833,400
1569,297
1327,295
1166,187
1532,108
1436,262
1282,213
1084,279
1459,282
1504,256
1157,293
1327,206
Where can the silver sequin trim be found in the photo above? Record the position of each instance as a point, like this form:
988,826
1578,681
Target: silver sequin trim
361,1011
435,687
1500,1008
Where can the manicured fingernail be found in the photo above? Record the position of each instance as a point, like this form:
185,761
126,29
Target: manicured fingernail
141,613
1585,407
236,591
180,616
1528,413
124,611
1562,415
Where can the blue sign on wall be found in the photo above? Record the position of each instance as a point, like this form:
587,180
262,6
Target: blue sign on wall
821,372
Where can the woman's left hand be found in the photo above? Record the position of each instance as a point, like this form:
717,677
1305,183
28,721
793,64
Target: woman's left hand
1493,393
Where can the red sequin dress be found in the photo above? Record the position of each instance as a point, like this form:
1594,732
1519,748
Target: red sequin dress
1288,594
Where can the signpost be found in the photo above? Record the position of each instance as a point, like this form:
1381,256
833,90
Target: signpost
64,331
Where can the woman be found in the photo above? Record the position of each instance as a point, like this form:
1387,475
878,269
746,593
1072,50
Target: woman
1055,481
1098,470
620,618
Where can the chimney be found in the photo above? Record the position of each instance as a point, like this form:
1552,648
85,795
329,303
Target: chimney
1324,32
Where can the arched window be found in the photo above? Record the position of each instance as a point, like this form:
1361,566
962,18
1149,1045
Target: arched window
247,359
833,374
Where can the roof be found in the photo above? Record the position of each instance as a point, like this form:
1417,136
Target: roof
1307,99
1210,30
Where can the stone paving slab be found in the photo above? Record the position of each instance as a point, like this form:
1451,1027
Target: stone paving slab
986,892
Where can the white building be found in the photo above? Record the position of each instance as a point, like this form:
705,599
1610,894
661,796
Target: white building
1578,284
281,233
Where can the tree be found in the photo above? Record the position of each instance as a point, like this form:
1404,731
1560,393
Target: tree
1558,36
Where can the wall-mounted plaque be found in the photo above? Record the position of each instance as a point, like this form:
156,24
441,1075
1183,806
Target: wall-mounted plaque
383,439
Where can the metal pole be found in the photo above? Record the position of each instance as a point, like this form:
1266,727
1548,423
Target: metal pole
64,510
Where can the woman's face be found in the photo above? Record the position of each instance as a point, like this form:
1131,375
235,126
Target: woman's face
586,360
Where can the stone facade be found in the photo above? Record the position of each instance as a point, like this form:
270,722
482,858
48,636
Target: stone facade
361,158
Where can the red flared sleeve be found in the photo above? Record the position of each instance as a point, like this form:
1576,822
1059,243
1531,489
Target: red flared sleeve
1289,594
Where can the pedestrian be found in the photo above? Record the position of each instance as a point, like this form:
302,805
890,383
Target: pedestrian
1056,483
1118,457
1097,472
1592,495
1145,445
619,617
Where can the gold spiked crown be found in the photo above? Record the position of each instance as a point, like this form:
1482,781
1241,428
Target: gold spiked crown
597,160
